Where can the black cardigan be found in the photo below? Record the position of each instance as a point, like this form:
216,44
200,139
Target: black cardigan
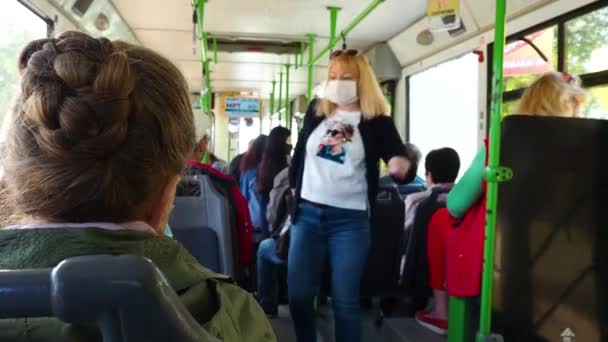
380,140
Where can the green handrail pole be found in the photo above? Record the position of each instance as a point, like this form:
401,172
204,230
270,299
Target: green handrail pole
333,21
280,95
214,50
311,64
208,80
204,103
205,43
200,12
301,54
274,83
358,19
493,166
287,114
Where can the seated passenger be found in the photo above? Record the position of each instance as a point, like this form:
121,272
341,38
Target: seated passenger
203,155
552,94
248,185
234,169
442,168
273,183
218,164
92,154
415,185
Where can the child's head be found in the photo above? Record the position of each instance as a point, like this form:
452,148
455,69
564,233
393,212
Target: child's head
442,166
552,94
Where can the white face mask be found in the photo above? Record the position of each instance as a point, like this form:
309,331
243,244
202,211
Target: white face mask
341,92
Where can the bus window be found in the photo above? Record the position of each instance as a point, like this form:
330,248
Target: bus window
523,64
586,53
587,43
509,107
597,105
583,53
444,109
18,26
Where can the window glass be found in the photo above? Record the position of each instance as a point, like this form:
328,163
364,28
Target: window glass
597,104
444,110
587,43
523,64
509,107
18,26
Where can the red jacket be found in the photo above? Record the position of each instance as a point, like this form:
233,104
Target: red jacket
464,254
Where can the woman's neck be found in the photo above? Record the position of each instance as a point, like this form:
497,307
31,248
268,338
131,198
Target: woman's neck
353,107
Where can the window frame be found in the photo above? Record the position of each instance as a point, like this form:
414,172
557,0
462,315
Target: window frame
50,23
588,80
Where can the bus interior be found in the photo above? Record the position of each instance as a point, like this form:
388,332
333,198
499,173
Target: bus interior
255,65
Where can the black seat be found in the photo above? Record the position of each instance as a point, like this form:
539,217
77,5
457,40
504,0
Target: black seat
552,239
381,271
125,296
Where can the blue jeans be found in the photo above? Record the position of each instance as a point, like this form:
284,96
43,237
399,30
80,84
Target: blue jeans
343,235
267,275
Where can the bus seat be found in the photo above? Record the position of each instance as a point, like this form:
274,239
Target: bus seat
551,270
408,189
381,271
126,296
201,222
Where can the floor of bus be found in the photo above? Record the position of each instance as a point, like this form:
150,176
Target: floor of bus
394,329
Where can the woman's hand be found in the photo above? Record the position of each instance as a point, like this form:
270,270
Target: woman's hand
398,168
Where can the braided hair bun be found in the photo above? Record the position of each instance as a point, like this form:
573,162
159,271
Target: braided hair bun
97,128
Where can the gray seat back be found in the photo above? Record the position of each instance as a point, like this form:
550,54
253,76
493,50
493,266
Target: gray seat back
126,296
200,221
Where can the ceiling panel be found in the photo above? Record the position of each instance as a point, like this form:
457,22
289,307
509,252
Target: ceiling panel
166,26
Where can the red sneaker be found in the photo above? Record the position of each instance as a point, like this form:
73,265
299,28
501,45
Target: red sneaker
436,325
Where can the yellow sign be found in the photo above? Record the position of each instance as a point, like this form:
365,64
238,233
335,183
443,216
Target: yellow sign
442,7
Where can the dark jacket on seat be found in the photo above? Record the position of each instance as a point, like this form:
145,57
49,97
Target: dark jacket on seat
280,199
414,262
380,141
214,300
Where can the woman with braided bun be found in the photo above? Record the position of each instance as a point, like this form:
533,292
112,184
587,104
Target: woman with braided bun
91,156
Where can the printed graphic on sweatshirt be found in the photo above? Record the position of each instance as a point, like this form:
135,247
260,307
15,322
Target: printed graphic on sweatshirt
333,144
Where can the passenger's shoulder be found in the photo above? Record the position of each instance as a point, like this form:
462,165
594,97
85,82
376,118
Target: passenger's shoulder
239,318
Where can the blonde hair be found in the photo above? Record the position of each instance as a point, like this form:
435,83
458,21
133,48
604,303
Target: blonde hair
371,99
552,94
97,127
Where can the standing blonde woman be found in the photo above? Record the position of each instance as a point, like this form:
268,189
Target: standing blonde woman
335,193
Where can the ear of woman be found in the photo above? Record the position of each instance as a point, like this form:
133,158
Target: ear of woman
158,217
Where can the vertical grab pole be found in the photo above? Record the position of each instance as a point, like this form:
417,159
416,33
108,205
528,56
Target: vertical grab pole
300,61
274,83
485,322
206,71
214,50
333,21
311,64
287,114
200,16
280,95
208,80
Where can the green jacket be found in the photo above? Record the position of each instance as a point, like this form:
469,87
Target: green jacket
224,309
